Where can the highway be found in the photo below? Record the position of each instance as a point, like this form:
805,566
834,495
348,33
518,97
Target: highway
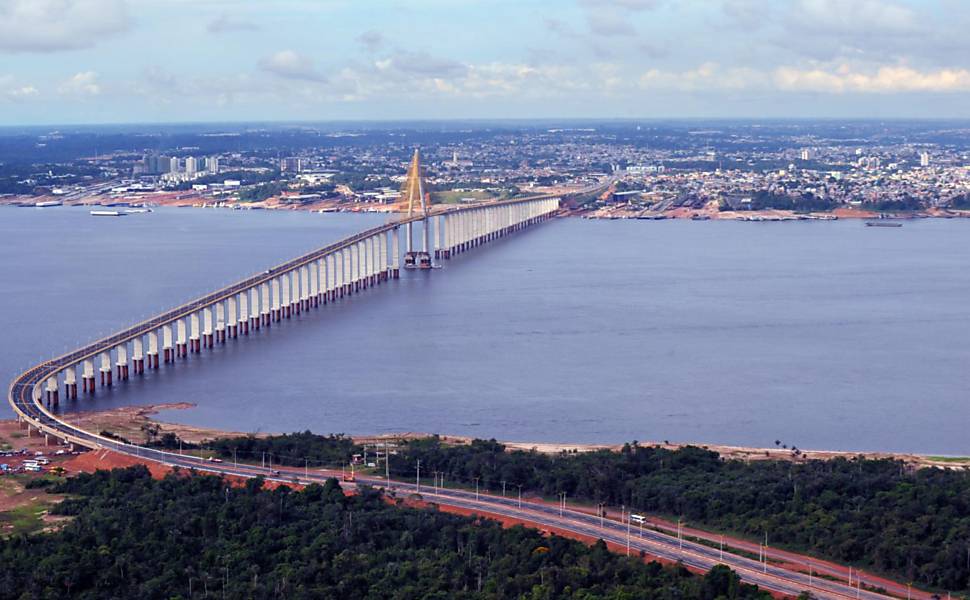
657,544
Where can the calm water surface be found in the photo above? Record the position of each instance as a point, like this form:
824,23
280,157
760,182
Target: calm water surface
819,334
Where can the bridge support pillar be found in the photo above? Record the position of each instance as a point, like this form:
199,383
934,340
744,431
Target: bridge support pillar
106,369
87,377
395,253
70,383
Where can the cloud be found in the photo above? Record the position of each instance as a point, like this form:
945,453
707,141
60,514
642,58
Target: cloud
292,65
421,64
226,23
84,83
707,76
371,40
858,17
884,80
10,89
56,25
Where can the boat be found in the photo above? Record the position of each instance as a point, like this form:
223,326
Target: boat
883,224
135,211
107,213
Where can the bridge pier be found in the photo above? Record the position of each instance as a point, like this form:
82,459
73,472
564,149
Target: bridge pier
105,369
70,383
395,253
181,341
137,356
153,349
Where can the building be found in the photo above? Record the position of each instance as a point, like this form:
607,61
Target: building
924,159
212,164
191,166
806,154
293,164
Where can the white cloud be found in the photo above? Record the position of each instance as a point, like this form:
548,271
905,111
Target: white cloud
54,25
10,89
84,83
292,65
707,76
884,80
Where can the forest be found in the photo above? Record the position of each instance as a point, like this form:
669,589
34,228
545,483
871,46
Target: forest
911,524
131,536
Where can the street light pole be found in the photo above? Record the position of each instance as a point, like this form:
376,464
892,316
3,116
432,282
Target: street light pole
476,488
417,482
520,495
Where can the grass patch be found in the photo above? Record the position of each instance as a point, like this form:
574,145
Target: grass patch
25,519
950,459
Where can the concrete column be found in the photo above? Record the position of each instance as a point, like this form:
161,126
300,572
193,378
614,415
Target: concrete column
153,349
276,299
445,235
51,391
106,369
181,339
295,291
168,343
232,317
305,291
195,333
355,253
87,376
70,383
253,304
343,262
382,250
395,253
265,303
286,287
207,327
313,295
122,353
328,278
138,355
246,313
221,322
372,259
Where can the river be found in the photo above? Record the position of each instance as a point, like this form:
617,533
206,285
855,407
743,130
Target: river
824,335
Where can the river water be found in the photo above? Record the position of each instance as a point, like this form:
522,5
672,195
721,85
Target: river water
818,334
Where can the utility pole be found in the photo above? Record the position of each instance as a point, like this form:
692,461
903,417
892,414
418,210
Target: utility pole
417,483
520,495
387,464
264,461
628,534
503,488
721,558
680,535
476,489
306,468
234,463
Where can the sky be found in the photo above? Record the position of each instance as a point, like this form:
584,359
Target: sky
125,61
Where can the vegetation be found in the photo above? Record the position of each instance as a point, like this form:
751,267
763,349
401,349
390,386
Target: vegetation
262,191
911,524
293,449
762,200
189,537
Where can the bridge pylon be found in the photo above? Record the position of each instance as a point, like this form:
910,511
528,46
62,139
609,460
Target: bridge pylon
418,199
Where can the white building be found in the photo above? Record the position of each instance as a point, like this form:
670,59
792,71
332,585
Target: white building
924,159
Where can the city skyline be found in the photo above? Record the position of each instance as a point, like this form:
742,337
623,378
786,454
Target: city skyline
71,61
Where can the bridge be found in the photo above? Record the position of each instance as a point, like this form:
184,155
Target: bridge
340,270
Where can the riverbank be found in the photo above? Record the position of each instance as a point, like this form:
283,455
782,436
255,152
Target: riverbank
133,422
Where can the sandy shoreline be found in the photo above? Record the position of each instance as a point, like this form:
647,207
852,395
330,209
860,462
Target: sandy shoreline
129,421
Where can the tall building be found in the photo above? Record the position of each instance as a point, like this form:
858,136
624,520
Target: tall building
212,164
924,159
191,165
293,164
806,154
